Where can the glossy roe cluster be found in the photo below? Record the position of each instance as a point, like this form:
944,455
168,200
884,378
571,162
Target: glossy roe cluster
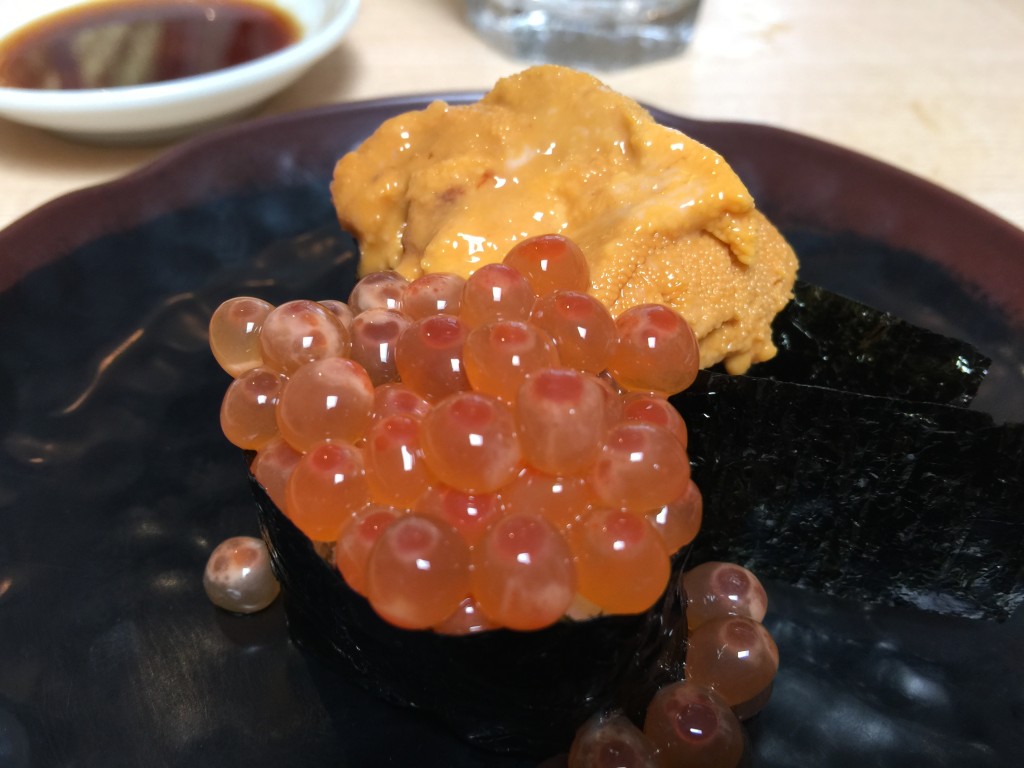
496,451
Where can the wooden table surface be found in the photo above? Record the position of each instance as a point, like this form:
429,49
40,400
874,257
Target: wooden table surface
935,87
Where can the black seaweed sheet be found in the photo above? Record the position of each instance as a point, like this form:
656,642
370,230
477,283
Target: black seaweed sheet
523,692
832,341
928,510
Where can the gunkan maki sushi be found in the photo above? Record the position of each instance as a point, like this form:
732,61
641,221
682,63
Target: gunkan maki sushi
481,501
457,517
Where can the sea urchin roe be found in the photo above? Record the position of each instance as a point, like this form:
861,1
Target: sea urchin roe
692,726
238,576
660,217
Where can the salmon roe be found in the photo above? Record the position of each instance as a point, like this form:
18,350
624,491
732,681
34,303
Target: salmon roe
503,429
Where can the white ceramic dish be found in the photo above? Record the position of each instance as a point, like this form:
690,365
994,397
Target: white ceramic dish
176,107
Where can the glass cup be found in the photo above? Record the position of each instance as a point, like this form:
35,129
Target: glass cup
592,34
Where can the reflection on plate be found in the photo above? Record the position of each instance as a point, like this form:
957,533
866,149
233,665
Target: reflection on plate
115,482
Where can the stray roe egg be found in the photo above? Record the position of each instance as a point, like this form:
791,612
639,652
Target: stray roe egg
238,575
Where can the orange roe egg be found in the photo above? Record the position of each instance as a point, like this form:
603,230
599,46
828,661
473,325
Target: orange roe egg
375,334
717,589
560,499
736,657
523,575
550,263
581,326
325,400
641,467
470,443
621,562
651,408
692,726
299,332
378,290
495,292
398,399
326,488
560,413
235,334
435,293
467,619
656,350
471,514
247,413
428,356
340,310
610,740
395,468
272,467
418,572
612,399
356,540
239,577
499,355
678,522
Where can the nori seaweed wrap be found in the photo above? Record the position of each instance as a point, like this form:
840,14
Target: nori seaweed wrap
828,340
504,690
882,500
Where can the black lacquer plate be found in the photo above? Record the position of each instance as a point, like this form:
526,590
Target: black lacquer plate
115,482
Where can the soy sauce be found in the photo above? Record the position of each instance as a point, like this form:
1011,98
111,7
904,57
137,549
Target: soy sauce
133,42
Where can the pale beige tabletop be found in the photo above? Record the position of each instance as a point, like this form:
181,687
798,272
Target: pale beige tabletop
935,87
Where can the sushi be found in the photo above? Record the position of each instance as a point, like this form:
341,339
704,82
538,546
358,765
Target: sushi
604,636
426,372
